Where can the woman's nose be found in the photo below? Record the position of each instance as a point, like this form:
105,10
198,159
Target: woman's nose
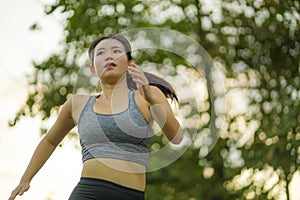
109,56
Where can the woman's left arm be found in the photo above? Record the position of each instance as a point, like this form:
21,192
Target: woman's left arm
162,113
160,109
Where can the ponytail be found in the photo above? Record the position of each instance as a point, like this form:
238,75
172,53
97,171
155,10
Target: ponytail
154,80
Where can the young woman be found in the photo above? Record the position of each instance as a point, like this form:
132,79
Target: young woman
114,127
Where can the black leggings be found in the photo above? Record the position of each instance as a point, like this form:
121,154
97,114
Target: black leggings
97,189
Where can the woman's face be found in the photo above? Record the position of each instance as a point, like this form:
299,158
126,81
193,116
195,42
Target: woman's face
110,60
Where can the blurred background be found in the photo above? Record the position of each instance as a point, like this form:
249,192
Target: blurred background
241,120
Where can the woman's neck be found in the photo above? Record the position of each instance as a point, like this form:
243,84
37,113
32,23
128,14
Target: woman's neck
110,91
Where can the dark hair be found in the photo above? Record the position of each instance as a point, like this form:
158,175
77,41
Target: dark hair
154,80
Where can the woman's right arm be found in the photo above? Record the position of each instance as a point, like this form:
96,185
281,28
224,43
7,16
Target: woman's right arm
63,124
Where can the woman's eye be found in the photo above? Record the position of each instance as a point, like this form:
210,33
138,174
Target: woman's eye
117,51
100,53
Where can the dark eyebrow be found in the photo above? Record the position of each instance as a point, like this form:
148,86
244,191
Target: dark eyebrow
114,47
100,49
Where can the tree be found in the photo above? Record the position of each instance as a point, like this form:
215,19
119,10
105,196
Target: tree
255,44
263,39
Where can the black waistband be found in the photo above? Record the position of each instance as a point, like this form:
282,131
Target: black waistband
93,188
99,182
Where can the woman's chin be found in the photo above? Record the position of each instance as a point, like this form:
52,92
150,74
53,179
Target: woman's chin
111,77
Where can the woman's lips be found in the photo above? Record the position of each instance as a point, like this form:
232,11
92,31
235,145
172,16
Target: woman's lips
110,65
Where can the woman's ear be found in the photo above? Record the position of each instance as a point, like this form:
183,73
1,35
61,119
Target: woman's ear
92,69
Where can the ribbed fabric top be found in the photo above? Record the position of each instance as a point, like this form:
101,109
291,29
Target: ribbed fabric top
125,135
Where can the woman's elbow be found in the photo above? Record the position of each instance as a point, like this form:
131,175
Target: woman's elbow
177,139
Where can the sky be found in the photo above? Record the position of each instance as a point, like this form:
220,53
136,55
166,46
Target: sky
19,47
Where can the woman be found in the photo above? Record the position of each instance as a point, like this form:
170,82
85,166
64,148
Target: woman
114,127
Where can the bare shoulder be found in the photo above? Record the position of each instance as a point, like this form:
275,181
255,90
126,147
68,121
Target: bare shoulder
159,95
144,106
78,102
80,98
157,92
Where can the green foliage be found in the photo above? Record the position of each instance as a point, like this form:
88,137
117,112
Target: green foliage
257,45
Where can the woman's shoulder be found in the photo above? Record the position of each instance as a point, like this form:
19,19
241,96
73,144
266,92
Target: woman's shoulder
78,103
80,97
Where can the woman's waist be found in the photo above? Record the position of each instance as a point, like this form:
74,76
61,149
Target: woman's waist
122,172
116,151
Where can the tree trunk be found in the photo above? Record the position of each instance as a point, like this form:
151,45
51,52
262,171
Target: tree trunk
287,186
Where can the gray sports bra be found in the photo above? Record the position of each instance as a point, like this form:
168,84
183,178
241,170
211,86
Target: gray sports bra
125,135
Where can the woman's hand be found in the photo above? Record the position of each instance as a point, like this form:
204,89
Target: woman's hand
19,190
141,81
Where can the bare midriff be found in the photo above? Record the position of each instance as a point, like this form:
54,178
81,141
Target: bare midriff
121,172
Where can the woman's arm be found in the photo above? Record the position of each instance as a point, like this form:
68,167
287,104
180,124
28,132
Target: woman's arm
160,109
63,124
162,113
